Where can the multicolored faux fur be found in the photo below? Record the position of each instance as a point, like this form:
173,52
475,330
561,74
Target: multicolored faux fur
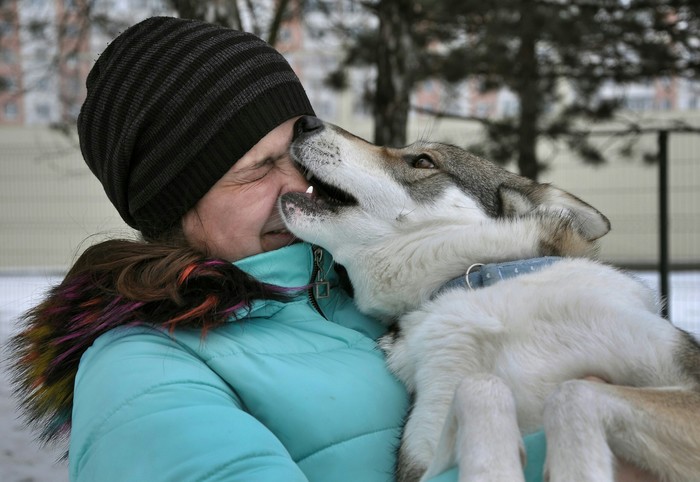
46,353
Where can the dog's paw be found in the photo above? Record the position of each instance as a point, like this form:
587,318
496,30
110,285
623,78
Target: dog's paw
387,341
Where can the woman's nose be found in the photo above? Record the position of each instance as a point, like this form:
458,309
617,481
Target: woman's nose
307,124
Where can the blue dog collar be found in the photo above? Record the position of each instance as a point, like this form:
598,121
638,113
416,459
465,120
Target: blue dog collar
483,275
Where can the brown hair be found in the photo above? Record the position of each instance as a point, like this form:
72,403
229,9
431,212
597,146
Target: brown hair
174,283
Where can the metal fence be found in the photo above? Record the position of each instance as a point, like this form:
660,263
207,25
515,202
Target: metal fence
684,213
652,198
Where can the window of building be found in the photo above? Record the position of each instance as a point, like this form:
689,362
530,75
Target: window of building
43,111
37,29
483,109
41,55
352,6
71,60
71,31
285,35
6,28
639,103
10,111
8,56
510,108
8,84
43,84
320,6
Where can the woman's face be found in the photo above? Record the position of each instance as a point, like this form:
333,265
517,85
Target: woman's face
238,216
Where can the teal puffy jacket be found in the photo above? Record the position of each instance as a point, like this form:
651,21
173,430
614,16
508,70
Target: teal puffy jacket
290,393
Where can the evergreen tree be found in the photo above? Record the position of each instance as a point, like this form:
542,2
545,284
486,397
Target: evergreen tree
396,52
537,49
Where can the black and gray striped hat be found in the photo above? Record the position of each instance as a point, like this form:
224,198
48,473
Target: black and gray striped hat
171,105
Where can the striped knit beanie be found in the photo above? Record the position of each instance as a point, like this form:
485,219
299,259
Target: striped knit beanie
171,105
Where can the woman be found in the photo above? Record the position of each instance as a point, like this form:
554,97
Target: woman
216,348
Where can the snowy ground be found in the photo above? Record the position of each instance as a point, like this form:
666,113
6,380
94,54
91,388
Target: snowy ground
21,460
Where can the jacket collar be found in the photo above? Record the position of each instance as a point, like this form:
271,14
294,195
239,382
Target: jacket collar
288,267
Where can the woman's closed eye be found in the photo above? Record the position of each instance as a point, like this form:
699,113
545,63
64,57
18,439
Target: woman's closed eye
256,171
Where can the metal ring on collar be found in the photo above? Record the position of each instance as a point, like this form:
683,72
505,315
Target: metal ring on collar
469,270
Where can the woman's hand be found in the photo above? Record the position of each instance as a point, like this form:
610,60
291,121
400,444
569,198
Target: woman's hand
627,472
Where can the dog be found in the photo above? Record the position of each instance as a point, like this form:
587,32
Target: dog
486,365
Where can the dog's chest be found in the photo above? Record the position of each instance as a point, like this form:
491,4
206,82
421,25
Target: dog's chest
533,333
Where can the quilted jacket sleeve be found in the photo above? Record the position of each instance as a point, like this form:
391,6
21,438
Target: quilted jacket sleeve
146,409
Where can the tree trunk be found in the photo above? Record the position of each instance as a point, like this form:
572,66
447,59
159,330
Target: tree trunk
188,9
280,10
527,90
394,73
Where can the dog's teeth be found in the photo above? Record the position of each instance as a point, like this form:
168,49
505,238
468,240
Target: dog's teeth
309,190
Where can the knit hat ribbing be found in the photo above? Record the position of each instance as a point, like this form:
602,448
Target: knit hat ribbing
171,105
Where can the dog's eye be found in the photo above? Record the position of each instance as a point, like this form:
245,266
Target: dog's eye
423,162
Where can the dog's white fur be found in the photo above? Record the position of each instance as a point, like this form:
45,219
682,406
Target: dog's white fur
488,365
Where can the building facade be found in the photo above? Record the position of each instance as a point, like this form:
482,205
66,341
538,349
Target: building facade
47,48
53,206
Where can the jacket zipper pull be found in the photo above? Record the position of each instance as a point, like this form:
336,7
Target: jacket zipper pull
321,286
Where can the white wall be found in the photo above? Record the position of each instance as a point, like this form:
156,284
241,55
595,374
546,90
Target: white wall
52,206
51,203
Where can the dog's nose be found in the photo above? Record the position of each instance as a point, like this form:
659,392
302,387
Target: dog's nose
307,124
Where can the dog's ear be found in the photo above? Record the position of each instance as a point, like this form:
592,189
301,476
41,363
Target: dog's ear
519,201
514,202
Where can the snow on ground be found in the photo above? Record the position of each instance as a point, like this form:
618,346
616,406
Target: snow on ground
22,460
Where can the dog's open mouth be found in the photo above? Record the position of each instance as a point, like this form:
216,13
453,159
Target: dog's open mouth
331,195
324,194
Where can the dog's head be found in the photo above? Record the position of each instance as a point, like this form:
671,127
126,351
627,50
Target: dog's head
363,192
404,221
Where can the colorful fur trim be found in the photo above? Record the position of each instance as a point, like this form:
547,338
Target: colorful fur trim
46,353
